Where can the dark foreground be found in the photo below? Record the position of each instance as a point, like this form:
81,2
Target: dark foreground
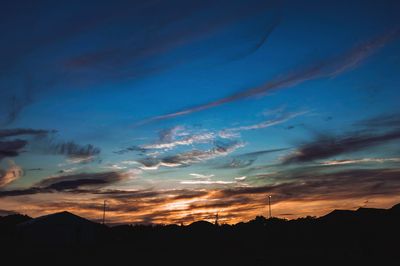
362,237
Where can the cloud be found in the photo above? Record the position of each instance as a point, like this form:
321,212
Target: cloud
226,134
268,123
131,149
328,146
177,136
200,176
17,102
76,153
256,154
24,131
206,182
181,136
311,185
170,134
269,30
73,150
246,159
189,140
149,164
324,69
363,160
81,159
190,157
75,183
11,174
11,148
163,31
381,121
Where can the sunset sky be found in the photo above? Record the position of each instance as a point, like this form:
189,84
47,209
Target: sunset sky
174,111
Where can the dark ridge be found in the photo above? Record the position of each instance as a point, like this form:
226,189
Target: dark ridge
365,236
201,224
338,215
370,211
63,217
13,220
61,229
395,208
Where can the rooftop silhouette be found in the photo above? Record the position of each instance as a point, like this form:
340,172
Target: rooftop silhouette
365,235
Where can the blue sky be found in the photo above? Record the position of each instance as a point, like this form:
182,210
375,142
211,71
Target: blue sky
191,100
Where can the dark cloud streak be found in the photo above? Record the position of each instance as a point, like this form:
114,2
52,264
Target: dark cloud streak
23,131
326,146
69,183
327,68
246,159
11,148
73,150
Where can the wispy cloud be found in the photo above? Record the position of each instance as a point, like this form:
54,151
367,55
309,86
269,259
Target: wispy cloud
189,140
324,69
363,160
12,173
366,134
181,136
200,176
72,149
166,32
44,142
16,102
268,123
11,148
206,182
381,121
24,131
133,148
155,164
190,157
74,183
170,134
328,146
171,138
246,159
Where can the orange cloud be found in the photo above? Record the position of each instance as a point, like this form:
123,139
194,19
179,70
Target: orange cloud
11,174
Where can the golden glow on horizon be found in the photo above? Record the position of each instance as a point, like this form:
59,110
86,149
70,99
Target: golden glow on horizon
169,210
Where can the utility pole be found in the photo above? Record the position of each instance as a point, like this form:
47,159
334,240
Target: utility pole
269,204
104,211
216,219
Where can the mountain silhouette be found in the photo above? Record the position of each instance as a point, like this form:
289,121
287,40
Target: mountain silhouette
13,219
201,225
8,224
395,209
61,229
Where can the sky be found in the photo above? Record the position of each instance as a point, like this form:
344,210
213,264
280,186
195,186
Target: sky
174,111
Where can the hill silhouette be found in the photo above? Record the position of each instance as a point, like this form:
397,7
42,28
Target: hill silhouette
365,236
9,223
59,229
